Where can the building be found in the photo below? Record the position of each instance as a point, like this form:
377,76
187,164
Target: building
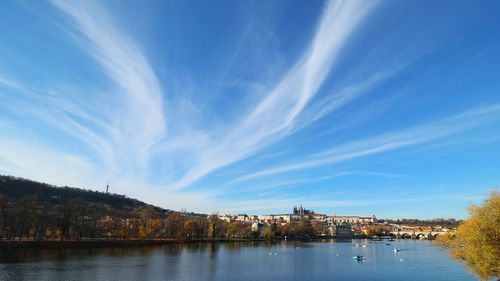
257,226
372,219
316,217
301,211
343,231
226,218
253,218
344,219
352,219
278,218
242,217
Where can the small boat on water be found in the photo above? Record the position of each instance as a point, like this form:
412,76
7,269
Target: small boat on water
365,245
359,258
388,244
396,250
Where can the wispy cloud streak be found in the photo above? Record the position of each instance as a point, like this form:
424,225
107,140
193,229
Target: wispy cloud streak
389,141
138,116
260,114
119,123
277,112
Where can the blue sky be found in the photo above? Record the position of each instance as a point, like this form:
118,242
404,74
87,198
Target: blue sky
358,107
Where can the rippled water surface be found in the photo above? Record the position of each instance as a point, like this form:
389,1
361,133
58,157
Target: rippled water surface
330,260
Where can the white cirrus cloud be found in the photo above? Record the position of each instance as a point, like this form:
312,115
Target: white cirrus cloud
276,113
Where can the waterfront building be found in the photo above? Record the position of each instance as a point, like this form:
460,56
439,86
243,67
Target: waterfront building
369,219
242,217
278,218
344,219
352,219
343,231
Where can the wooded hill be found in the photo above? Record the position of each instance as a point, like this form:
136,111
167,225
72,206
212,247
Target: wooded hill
16,188
33,211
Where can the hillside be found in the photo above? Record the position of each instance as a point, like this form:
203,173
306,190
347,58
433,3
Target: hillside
16,188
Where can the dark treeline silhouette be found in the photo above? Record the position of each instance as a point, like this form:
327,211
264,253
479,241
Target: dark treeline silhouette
36,211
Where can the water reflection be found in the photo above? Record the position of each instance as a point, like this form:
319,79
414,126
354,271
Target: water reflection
236,261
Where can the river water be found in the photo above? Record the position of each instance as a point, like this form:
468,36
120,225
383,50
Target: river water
329,260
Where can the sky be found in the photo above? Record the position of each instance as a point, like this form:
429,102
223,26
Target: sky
350,107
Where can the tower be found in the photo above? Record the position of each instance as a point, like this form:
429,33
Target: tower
107,188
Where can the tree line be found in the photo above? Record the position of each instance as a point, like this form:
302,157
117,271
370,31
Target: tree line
28,218
78,219
39,211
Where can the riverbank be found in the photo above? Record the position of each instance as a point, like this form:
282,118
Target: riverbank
103,243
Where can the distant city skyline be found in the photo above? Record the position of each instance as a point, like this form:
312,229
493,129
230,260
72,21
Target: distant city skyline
346,107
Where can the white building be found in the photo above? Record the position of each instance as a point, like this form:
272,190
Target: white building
253,218
257,226
276,218
352,219
242,217
226,218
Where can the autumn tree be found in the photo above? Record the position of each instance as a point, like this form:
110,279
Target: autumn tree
245,230
319,228
268,233
477,241
233,229
215,226
43,221
305,228
283,229
80,216
190,229
174,225
292,229
201,227
3,216
146,215
369,231
25,213
97,211
64,213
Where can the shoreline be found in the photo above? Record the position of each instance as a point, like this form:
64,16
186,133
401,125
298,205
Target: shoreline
110,243
106,243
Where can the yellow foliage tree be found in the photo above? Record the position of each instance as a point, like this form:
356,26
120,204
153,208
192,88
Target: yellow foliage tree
268,233
369,231
477,241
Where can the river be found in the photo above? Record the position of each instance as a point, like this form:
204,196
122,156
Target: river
329,260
